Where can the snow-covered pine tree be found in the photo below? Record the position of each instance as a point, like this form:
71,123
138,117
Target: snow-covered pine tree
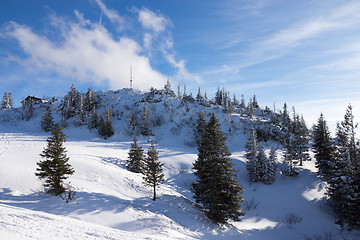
81,111
90,101
200,127
152,170
299,133
199,97
105,124
47,121
251,154
10,100
269,176
94,119
168,89
323,148
290,154
179,95
145,123
344,186
262,164
136,158
216,186
5,101
55,168
243,103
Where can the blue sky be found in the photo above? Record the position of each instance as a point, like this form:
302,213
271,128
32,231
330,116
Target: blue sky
305,53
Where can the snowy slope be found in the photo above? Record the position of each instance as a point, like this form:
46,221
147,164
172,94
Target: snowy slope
112,203
17,223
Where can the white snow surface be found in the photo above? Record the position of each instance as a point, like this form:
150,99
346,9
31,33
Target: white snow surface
112,203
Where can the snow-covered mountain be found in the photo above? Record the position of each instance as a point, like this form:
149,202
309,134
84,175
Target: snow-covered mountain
112,202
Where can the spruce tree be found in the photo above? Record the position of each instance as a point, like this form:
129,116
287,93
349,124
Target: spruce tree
145,122
168,89
47,121
344,185
5,101
90,102
55,168
260,168
200,127
290,155
136,158
323,148
269,175
105,124
152,170
251,154
216,187
94,119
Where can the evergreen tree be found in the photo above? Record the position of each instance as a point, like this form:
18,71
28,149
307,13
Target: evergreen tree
290,155
344,185
94,119
145,122
199,96
269,176
301,142
179,95
242,104
153,173
47,121
260,168
105,124
235,101
200,127
168,89
55,168
323,148
216,186
5,104
90,101
136,158
251,154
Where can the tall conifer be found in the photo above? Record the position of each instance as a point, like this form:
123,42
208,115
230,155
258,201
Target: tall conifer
55,168
216,186
152,170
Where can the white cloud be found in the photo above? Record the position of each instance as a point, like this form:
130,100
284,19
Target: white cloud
88,54
152,21
157,24
111,14
182,72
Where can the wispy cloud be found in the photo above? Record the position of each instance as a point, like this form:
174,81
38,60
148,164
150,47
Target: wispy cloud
114,17
284,40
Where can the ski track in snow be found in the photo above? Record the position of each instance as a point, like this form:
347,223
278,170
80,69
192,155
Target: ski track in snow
4,143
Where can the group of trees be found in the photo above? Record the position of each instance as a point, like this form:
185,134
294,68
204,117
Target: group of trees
7,101
260,168
150,165
338,162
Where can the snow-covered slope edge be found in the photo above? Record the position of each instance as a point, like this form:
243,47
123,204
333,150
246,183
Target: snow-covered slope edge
18,223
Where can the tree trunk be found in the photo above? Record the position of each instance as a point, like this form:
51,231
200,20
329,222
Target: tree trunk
154,197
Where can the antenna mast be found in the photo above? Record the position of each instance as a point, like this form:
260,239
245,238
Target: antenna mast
131,80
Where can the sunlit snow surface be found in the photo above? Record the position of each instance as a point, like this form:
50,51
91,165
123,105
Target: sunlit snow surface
112,203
